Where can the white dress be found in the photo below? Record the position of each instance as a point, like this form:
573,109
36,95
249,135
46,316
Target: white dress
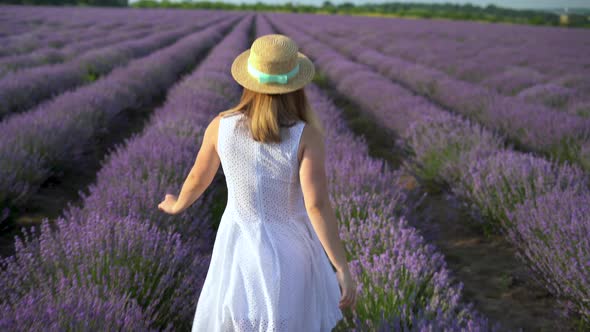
268,269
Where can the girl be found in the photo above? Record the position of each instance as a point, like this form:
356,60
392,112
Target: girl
268,268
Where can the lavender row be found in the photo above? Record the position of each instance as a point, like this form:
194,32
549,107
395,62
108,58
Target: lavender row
388,257
561,136
493,181
517,65
533,127
134,275
69,25
519,58
44,35
28,21
57,133
95,38
523,85
26,88
48,37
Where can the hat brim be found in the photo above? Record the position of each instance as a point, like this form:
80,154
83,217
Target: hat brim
239,71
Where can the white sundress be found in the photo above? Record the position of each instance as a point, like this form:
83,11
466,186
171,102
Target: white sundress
268,269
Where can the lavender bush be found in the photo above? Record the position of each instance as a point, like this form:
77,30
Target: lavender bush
552,236
513,80
499,182
127,263
87,307
550,94
445,146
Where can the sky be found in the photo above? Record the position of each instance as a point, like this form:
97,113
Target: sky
517,4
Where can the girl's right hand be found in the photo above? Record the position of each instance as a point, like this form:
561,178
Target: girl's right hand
347,288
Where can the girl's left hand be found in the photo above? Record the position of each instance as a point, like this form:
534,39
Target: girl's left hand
167,205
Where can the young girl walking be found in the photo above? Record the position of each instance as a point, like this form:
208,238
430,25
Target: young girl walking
270,266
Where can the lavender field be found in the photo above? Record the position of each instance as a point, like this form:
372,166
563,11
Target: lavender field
458,161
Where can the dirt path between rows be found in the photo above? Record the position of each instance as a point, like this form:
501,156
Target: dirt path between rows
57,191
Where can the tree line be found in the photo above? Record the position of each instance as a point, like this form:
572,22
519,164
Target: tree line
489,13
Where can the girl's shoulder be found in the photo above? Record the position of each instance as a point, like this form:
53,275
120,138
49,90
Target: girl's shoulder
228,113
311,137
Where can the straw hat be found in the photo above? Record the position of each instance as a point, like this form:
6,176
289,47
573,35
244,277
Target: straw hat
272,65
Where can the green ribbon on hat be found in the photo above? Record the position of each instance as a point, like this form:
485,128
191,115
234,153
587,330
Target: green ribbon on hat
268,78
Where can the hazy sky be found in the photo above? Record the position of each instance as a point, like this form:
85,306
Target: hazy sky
501,3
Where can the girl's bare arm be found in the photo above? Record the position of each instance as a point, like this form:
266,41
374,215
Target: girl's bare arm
204,169
314,185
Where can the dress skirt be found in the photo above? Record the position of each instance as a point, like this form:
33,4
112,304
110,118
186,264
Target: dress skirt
268,276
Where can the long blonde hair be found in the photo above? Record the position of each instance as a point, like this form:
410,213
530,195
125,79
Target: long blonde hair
268,112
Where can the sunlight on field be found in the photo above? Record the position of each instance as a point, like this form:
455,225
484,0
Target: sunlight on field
457,154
